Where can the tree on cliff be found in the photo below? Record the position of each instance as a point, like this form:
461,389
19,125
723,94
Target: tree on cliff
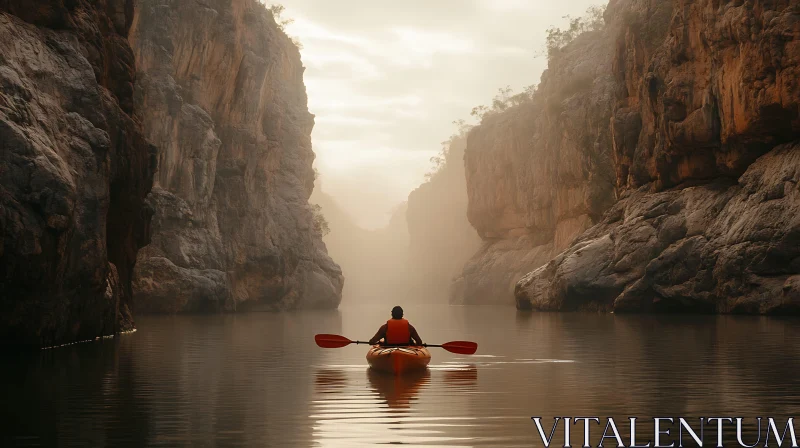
277,10
445,156
558,38
504,100
321,225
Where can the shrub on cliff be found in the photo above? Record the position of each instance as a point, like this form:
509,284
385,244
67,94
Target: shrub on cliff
446,155
558,38
277,10
321,225
504,100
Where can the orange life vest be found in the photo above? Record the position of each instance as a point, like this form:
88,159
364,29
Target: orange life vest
398,332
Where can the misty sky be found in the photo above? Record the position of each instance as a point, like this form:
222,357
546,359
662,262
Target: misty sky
386,79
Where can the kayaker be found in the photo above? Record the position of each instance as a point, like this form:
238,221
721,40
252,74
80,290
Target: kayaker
397,331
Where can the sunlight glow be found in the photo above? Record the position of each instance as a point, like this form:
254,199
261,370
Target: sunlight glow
385,83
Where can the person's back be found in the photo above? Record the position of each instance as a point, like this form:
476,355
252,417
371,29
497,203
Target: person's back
397,331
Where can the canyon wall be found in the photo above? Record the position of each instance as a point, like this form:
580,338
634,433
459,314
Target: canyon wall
540,173
221,91
373,261
414,258
705,137
74,171
440,239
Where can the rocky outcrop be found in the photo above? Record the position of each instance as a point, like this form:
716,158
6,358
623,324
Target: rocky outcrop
720,247
74,171
706,132
540,173
222,94
440,239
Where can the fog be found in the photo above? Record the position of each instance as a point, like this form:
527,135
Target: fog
425,244
386,81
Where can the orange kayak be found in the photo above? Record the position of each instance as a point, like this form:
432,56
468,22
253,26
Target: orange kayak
398,360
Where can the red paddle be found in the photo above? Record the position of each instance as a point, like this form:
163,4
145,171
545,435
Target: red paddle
460,347
336,341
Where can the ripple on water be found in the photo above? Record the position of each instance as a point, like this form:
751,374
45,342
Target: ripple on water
259,379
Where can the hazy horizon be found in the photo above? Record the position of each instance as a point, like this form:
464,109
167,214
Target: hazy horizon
386,80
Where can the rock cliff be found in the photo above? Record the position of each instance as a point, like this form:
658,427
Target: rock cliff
74,170
440,239
222,94
540,173
725,246
705,137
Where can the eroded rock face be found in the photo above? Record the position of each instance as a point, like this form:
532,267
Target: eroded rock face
718,91
540,173
74,171
708,219
719,247
222,94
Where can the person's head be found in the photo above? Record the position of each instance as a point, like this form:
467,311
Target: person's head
397,313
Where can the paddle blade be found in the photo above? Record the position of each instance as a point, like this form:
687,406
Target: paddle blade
331,341
461,347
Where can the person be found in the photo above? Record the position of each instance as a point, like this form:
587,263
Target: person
397,331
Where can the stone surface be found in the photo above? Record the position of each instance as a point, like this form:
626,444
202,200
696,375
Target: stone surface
705,135
221,92
74,171
540,173
704,100
718,247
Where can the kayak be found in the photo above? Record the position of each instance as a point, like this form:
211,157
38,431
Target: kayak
398,360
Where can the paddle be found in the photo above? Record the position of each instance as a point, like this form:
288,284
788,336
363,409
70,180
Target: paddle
336,341
460,347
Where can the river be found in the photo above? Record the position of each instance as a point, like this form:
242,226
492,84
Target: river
259,380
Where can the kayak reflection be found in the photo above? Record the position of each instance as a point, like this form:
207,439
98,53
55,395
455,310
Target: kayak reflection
462,378
399,391
329,381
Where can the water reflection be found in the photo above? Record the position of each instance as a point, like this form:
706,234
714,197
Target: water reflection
330,381
357,406
463,378
398,391
259,379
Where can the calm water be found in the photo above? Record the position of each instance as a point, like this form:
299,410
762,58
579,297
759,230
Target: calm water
259,380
